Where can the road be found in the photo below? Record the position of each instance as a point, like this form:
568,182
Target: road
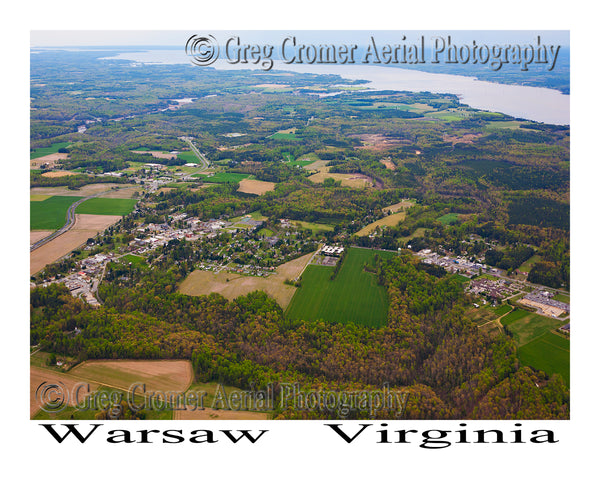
203,161
66,227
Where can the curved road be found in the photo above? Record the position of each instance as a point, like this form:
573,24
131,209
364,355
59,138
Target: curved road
66,227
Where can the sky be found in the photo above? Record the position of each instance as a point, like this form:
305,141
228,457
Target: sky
52,38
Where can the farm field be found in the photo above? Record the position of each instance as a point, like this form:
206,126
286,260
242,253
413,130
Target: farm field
353,180
50,213
38,375
419,232
549,352
283,136
354,295
164,375
222,177
210,413
255,187
537,346
315,227
188,156
107,206
37,235
232,285
58,174
390,221
86,226
397,207
157,154
42,152
448,218
317,165
112,376
84,191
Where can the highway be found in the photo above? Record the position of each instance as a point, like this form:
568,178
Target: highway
203,161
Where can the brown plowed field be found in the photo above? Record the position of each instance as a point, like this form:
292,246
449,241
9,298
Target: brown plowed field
86,226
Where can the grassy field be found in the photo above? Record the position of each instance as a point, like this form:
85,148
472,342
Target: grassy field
526,266
256,215
526,326
390,221
537,346
315,227
42,152
284,136
448,218
107,206
354,295
51,213
222,177
188,157
560,297
232,285
135,260
548,352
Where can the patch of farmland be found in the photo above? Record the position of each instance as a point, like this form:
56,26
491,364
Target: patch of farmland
107,206
353,180
163,375
549,352
37,235
45,151
38,375
231,285
222,177
255,187
86,226
397,207
354,295
84,191
389,221
51,213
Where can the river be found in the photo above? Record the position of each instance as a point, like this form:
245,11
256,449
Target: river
532,103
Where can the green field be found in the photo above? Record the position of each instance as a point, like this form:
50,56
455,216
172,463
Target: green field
135,260
188,157
284,136
354,296
525,326
560,297
50,214
256,215
107,206
222,177
41,152
537,346
548,352
315,227
265,232
501,310
448,218
526,266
